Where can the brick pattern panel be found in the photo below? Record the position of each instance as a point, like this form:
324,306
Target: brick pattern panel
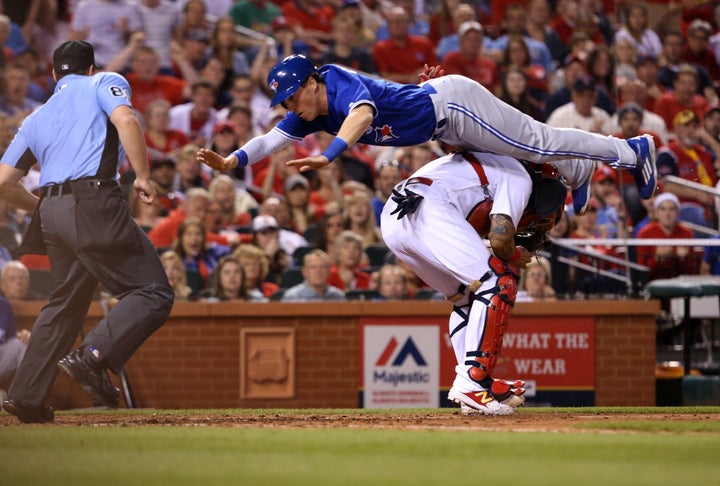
193,361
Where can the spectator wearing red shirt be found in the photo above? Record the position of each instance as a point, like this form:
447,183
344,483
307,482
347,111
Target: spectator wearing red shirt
566,21
145,80
161,141
194,205
345,273
314,19
667,261
683,97
401,57
697,50
469,60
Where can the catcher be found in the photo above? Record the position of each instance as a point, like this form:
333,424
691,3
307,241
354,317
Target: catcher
436,221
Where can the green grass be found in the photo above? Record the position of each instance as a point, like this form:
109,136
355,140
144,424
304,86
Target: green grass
679,453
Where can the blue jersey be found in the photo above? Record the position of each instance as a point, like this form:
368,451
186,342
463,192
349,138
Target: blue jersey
71,136
404,113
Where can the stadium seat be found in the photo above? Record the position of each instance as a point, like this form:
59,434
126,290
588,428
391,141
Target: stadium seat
362,294
376,254
300,253
195,282
290,277
277,295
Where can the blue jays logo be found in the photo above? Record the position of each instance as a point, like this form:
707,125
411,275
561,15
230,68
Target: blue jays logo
384,133
273,85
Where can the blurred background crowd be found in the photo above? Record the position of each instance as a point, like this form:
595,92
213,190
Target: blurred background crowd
266,232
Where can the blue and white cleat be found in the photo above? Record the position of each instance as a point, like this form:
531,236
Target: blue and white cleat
646,172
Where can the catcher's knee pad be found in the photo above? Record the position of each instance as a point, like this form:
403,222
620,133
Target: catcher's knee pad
499,301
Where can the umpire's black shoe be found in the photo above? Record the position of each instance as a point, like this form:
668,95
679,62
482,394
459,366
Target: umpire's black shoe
29,414
92,376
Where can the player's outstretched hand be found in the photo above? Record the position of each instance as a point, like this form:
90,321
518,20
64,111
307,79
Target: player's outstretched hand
145,189
431,73
215,160
309,163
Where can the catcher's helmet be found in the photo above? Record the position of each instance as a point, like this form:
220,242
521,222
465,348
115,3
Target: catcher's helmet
286,76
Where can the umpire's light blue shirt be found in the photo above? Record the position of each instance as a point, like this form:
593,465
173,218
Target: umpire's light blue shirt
71,136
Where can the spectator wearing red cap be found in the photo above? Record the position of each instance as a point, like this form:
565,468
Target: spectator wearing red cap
224,138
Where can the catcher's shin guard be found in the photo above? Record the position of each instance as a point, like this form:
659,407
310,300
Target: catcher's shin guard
489,313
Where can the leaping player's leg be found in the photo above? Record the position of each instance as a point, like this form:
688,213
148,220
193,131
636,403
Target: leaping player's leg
479,120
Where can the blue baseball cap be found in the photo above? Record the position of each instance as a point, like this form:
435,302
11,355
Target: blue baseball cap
288,75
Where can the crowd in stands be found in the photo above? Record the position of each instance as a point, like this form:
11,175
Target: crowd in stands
198,68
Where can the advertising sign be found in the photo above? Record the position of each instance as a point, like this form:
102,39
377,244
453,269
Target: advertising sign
401,366
411,362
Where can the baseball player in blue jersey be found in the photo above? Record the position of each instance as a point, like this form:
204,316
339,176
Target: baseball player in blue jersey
79,138
452,109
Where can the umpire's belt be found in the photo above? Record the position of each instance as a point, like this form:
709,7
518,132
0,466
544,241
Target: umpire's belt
67,187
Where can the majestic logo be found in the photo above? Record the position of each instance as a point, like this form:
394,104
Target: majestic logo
273,85
408,349
384,133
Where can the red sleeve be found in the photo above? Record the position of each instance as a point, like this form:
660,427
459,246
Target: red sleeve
646,254
334,278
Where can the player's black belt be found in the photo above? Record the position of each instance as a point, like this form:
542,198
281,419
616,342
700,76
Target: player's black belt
67,187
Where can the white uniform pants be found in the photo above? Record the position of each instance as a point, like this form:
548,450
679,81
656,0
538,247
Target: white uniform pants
445,252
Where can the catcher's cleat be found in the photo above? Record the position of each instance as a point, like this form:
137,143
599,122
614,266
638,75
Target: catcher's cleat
509,392
479,403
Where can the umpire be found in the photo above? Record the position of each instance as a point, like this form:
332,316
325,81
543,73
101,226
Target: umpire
78,138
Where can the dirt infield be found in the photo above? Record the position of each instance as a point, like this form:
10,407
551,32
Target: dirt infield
525,420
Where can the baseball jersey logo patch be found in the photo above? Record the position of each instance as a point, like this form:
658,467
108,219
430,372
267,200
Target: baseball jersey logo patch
384,133
273,85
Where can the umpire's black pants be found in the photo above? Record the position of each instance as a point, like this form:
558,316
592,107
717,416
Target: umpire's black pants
91,237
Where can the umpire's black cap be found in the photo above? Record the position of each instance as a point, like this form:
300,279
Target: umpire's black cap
73,56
